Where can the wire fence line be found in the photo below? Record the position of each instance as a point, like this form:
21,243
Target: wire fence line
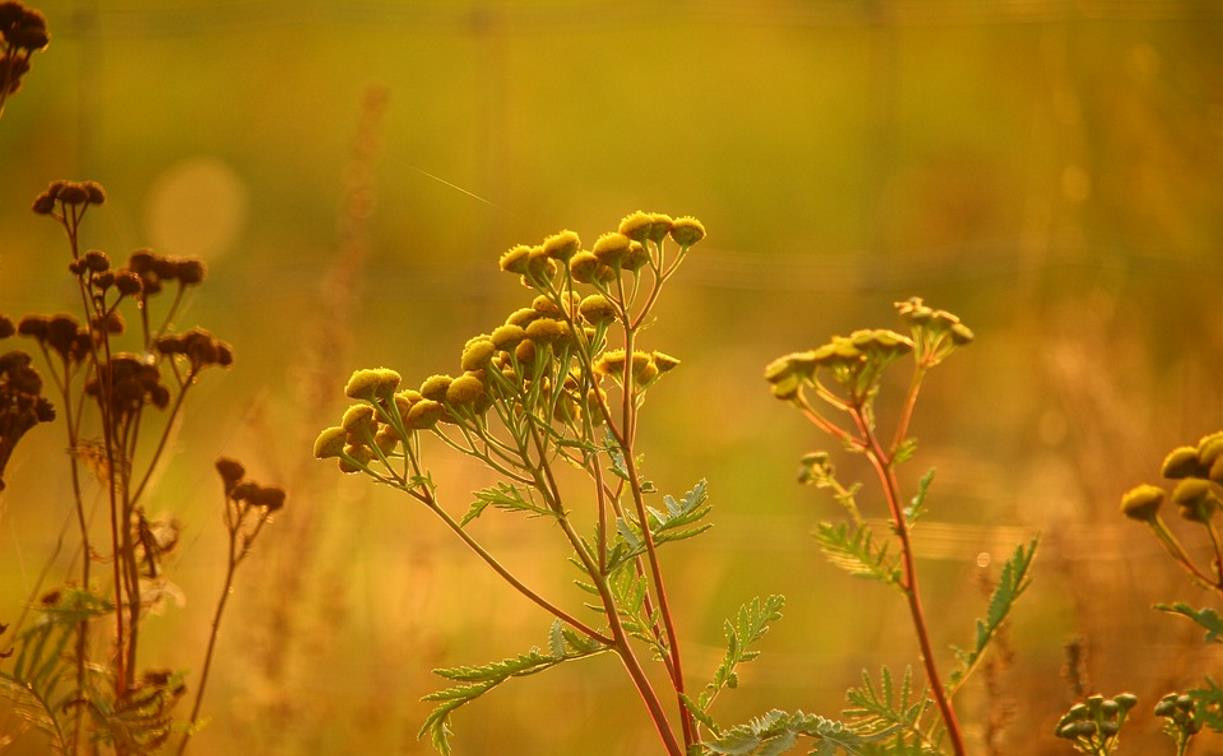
115,19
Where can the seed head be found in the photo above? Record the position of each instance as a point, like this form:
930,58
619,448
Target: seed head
961,335
687,231
7,328
231,471
189,270
96,260
562,245
129,283
43,203
1142,502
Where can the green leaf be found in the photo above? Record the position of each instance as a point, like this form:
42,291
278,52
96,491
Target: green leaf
852,548
884,712
1207,618
475,681
504,496
776,732
749,625
1209,705
41,683
905,451
679,520
1015,578
917,507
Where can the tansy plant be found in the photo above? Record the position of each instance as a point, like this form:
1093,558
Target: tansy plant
1196,473
76,671
561,384
835,386
23,32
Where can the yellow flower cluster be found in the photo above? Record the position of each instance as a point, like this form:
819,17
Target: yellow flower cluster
1198,493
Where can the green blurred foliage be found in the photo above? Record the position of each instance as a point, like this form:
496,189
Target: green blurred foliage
1049,170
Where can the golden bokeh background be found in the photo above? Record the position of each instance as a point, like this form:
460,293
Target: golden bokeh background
1050,170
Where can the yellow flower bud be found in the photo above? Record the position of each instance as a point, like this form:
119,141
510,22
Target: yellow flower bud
610,248
521,317
687,231
330,442
355,457
1195,500
371,384
508,336
525,352
1181,462
660,226
636,257
358,419
515,259
435,386
544,305
961,334
665,362
547,330
405,399
465,389
610,363
425,414
562,246
583,266
1142,502
596,309
539,265
636,226
477,354
387,439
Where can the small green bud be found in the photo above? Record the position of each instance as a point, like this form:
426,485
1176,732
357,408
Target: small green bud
330,442
355,457
1126,701
1142,502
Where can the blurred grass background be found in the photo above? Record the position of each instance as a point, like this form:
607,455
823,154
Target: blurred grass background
1048,169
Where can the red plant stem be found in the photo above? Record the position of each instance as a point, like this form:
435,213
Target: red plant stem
212,637
887,478
70,222
630,466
